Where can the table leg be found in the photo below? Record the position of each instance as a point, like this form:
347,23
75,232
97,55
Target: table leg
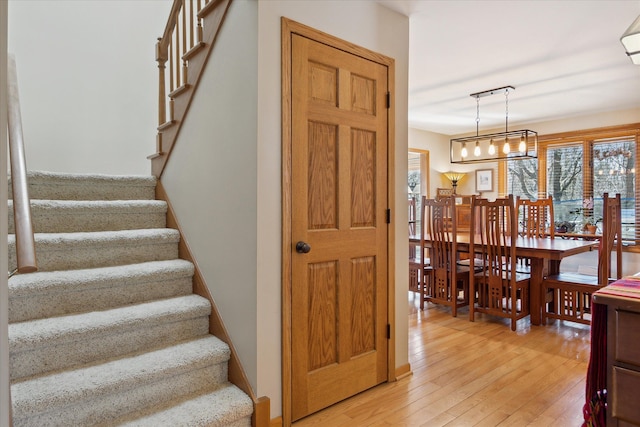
535,291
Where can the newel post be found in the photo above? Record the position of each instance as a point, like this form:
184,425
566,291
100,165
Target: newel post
161,58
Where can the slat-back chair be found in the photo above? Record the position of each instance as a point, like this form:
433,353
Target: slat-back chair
571,292
444,192
444,282
498,289
535,217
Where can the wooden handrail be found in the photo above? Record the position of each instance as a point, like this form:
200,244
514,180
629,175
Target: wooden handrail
181,53
25,242
176,41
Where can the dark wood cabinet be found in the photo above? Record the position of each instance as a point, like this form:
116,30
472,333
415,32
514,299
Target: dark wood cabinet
623,359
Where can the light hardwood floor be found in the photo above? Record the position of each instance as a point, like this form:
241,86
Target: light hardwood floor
476,374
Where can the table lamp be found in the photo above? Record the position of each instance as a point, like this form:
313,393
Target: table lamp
454,177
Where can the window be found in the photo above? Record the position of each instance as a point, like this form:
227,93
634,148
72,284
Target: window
614,172
577,169
565,182
418,179
522,178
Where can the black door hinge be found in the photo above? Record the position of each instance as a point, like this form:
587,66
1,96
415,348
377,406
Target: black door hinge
388,99
388,331
388,216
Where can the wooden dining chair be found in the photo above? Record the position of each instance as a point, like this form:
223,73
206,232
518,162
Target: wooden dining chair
571,292
445,282
415,263
498,289
444,192
535,217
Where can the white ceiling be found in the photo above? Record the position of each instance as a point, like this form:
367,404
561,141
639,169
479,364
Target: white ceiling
564,59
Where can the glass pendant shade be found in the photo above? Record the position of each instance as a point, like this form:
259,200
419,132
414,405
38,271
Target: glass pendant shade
492,148
463,152
506,148
522,147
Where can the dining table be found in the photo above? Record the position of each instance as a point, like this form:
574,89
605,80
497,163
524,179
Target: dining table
544,254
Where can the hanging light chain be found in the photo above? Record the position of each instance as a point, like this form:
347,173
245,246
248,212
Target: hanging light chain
477,115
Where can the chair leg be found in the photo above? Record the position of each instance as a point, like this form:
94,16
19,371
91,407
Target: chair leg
422,292
545,307
472,302
454,300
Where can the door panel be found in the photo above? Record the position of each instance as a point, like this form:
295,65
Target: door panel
339,202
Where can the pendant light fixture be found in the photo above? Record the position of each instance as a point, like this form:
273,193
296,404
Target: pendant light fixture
631,41
485,145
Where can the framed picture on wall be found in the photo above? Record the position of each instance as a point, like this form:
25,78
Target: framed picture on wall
484,180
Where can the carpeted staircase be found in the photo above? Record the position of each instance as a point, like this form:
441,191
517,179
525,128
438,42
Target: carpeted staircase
108,331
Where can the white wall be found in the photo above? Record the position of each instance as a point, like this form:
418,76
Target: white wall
5,402
211,178
88,82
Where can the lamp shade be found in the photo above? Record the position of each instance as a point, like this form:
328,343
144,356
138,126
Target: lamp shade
454,177
631,41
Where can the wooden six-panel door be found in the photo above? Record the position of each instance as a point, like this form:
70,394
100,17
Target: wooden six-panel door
339,210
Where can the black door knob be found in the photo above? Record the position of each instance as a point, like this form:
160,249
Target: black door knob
302,248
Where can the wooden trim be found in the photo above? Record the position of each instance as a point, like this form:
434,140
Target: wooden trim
289,27
425,168
591,134
237,375
502,179
163,42
207,8
286,101
403,371
25,242
277,422
261,412
391,230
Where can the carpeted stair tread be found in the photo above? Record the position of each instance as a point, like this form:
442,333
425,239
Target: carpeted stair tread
110,386
43,345
108,331
73,186
224,407
65,251
54,293
33,333
65,216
